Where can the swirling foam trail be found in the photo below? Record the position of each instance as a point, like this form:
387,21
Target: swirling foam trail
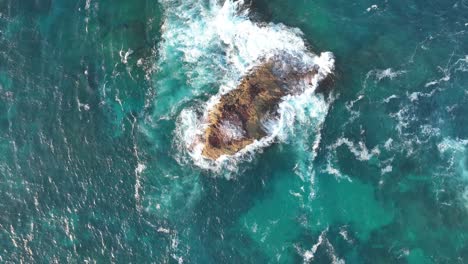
221,42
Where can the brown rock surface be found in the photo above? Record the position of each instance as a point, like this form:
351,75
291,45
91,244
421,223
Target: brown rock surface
236,120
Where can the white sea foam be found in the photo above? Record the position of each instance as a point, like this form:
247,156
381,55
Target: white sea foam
455,151
452,144
388,144
163,230
354,113
332,170
125,55
231,131
361,152
462,64
403,117
88,4
388,73
451,68
387,100
221,38
387,169
345,235
309,255
372,7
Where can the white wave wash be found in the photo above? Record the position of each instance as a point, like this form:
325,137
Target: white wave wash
455,150
221,38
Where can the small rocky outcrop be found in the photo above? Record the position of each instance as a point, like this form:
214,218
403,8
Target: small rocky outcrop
237,119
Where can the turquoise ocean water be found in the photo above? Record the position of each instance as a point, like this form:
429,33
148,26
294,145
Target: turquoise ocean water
99,100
